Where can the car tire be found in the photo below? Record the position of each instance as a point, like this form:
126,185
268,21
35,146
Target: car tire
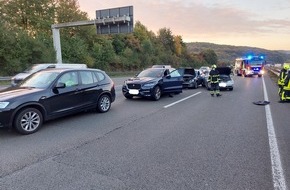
156,93
28,121
104,103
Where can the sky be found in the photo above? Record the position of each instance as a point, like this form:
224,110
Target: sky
255,23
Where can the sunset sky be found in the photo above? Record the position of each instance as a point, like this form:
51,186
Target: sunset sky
256,23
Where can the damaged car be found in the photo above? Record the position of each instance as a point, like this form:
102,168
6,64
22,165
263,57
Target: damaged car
190,78
226,82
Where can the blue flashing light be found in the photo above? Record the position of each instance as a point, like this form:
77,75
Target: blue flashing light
250,57
262,57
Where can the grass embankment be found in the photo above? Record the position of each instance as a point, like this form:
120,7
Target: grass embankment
4,82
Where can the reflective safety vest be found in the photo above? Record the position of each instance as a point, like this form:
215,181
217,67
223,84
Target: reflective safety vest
282,77
214,76
287,82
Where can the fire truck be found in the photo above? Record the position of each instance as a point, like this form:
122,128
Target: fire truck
250,65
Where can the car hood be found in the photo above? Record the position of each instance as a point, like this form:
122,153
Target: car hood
224,70
11,93
186,71
141,80
21,76
225,78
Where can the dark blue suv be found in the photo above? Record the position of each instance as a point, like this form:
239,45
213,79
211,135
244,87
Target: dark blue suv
153,82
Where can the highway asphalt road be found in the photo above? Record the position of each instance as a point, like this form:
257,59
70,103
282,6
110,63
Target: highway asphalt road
189,141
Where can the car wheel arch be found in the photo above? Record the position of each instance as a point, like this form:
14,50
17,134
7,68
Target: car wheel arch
25,106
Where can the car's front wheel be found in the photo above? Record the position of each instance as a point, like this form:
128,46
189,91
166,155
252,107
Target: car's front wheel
156,93
28,121
195,86
104,103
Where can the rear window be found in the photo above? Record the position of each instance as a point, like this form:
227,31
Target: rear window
100,76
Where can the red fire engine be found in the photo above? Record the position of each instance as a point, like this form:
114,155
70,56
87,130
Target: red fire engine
249,66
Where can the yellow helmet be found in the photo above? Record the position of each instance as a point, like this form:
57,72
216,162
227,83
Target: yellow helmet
213,66
286,66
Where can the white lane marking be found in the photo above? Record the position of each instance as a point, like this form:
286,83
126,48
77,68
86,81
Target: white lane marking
277,170
169,105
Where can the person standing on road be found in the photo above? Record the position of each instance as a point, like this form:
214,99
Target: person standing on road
214,79
285,91
282,77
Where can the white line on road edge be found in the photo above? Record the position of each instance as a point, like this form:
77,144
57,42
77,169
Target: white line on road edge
277,170
169,105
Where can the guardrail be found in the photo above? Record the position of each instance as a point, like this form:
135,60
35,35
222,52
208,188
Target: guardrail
274,70
5,78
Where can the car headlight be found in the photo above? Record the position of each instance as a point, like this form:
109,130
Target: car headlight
149,84
192,80
3,104
222,84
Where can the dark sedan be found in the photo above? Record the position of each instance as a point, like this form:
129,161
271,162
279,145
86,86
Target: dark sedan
191,77
153,82
53,93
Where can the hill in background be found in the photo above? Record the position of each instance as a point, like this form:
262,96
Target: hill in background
228,53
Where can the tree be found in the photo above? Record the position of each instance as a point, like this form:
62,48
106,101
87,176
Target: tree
178,45
33,16
209,56
166,39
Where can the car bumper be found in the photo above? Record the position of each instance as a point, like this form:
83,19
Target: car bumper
224,85
5,118
143,92
188,84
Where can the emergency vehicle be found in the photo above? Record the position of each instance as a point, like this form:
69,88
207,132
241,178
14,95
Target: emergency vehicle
250,65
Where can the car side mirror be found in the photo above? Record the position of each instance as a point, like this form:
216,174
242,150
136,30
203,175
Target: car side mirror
168,76
60,85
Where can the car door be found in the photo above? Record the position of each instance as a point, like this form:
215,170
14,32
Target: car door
173,81
68,98
90,87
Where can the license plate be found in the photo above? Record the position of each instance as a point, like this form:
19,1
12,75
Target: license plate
134,91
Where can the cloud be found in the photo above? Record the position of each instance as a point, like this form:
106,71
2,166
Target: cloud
197,20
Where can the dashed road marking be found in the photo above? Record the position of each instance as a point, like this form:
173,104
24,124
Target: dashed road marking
169,105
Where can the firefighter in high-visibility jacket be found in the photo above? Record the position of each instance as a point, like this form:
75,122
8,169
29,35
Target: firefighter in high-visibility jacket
282,77
214,79
285,92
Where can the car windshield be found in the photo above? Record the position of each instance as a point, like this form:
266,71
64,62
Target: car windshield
224,77
255,62
153,73
39,80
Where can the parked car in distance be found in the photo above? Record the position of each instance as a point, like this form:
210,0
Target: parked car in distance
37,67
53,93
189,75
199,77
204,69
226,81
161,66
152,83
